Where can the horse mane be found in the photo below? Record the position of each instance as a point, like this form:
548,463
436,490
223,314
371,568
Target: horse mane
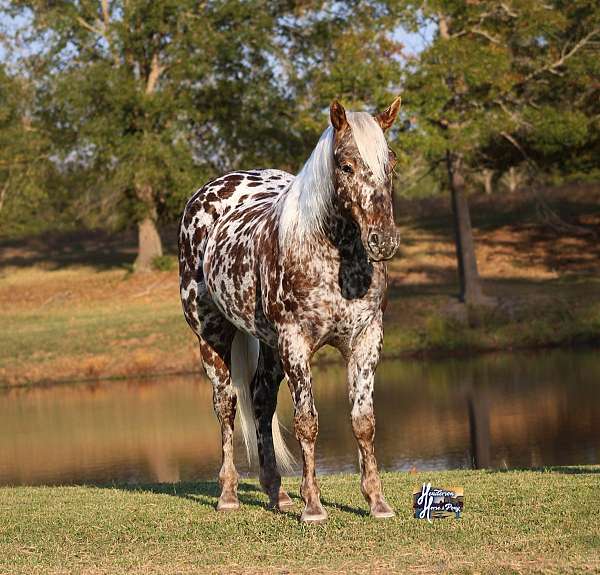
307,201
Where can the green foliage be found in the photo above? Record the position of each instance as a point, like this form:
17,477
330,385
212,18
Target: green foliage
26,175
144,101
553,130
164,263
130,106
501,83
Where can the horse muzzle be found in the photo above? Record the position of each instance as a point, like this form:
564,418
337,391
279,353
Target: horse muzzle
382,245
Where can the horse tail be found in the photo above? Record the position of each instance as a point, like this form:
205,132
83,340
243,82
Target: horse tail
244,362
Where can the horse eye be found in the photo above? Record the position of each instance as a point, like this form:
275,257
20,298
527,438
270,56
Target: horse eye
347,168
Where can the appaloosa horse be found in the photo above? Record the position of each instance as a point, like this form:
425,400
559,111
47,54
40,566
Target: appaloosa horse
272,268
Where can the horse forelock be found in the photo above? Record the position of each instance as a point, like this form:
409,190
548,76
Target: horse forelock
309,198
371,143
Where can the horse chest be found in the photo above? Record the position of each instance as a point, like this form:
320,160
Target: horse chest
334,299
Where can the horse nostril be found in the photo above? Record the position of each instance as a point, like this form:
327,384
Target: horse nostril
374,239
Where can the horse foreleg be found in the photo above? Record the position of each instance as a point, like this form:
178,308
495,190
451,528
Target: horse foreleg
265,386
295,357
362,362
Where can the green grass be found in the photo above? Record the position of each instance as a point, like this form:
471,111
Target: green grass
555,315
65,332
514,522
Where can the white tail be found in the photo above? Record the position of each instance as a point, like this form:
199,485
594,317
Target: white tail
244,361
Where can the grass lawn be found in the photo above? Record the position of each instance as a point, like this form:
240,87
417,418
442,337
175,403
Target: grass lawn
514,522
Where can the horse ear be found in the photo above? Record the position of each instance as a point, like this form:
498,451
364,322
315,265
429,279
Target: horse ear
386,118
338,117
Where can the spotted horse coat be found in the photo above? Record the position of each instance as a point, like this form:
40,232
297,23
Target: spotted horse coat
273,267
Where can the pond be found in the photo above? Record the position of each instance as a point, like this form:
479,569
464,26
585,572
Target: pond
501,410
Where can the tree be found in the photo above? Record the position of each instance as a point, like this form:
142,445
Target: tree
25,170
132,93
142,99
474,86
345,50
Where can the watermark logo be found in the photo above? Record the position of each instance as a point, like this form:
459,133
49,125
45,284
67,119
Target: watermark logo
435,503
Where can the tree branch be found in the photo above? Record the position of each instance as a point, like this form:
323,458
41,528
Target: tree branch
508,10
443,27
483,33
565,55
105,14
518,146
102,32
155,71
88,26
3,191
106,33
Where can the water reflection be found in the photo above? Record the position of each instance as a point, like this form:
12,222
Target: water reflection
493,411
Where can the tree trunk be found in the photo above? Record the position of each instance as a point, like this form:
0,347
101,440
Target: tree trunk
512,180
470,283
488,177
149,243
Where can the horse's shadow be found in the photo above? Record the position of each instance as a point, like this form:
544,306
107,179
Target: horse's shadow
203,492
207,493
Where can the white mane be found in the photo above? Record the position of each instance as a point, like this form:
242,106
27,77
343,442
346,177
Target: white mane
308,199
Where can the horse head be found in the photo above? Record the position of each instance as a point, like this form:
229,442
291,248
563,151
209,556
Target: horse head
363,165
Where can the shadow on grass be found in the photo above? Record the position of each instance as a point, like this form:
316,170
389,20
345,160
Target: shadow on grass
207,493
203,492
101,250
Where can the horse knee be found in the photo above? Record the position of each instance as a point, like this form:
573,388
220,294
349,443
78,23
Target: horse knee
306,426
363,426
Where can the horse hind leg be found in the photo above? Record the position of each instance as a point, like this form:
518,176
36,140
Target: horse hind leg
215,350
215,335
265,385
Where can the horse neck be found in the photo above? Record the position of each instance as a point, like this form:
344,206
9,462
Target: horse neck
336,230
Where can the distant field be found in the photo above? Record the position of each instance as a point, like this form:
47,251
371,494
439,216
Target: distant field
514,522
70,309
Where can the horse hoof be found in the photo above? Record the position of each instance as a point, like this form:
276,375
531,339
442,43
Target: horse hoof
381,510
228,504
313,516
285,501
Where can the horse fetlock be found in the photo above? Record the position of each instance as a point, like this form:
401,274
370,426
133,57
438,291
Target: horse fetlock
228,478
370,486
284,501
270,479
271,485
